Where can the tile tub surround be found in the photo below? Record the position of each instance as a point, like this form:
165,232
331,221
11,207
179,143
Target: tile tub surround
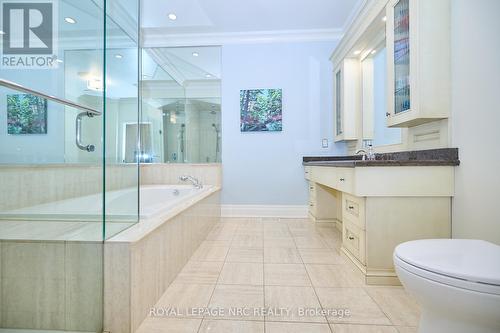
51,285
429,157
306,270
29,185
142,261
169,173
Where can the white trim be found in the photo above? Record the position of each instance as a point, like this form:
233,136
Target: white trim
285,211
159,37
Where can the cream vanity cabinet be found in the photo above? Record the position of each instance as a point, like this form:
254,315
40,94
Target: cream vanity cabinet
418,61
381,207
347,95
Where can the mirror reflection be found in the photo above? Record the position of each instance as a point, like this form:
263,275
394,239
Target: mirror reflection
374,74
181,105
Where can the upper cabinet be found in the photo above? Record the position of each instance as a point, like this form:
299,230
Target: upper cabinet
347,95
418,61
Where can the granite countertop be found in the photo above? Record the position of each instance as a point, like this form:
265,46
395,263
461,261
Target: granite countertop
430,157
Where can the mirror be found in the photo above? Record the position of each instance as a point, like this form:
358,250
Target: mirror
374,73
181,101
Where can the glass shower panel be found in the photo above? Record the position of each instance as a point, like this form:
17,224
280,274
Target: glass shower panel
121,116
51,190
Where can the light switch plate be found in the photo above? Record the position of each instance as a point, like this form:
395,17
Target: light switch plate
324,143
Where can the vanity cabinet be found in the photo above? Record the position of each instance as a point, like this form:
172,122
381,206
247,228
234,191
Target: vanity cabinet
381,207
347,99
418,61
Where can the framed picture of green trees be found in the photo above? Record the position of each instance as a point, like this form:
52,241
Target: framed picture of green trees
261,110
26,114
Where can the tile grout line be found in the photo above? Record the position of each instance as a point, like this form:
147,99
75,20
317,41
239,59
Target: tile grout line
314,289
216,282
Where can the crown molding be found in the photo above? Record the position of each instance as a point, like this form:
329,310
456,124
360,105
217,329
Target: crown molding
154,37
363,18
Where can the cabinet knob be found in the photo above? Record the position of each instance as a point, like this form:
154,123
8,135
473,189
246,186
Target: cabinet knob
351,238
351,207
342,179
387,114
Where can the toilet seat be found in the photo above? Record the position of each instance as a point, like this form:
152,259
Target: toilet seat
461,263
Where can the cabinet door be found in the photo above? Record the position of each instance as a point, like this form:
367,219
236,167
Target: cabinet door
338,102
401,56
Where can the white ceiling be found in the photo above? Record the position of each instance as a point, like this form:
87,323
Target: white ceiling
237,16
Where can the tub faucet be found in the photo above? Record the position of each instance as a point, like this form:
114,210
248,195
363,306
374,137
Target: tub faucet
196,183
364,153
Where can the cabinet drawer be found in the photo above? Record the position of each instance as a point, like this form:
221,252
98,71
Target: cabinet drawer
353,239
308,172
353,209
312,207
345,179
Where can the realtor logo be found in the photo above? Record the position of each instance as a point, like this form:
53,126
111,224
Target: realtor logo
29,34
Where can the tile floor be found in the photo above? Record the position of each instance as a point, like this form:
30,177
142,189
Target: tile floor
287,265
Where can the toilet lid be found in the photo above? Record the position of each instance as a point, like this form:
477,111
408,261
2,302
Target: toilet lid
466,259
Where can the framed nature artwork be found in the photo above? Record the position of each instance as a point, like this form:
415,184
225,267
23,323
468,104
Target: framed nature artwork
261,110
26,114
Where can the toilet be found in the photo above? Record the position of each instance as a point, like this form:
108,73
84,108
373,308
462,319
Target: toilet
455,281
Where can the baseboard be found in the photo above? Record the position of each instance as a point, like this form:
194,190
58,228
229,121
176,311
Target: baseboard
284,211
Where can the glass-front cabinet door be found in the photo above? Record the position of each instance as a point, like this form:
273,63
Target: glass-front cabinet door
338,102
401,56
418,61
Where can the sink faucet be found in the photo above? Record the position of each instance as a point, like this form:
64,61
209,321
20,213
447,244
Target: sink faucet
196,183
364,153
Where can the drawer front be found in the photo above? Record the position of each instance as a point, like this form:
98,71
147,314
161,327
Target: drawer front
308,172
345,179
312,207
353,209
353,239
325,175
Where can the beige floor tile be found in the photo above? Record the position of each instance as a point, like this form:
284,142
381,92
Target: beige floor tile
241,254
231,326
295,300
238,297
279,242
349,328
275,327
248,241
405,329
334,276
282,255
286,275
270,219
311,242
169,325
278,230
202,272
363,310
210,253
242,273
216,243
184,297
401,309
321,256
255,230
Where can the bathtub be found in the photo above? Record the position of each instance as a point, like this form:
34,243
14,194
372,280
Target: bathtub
121,205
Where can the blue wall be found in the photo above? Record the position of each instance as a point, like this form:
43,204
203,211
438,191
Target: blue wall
266,168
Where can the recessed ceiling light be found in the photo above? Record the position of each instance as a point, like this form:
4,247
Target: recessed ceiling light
70,20
357,52
118,56
373,52
172,16
195,54
208,76
384,18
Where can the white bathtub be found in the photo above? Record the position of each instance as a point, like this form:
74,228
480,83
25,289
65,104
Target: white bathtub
121,205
